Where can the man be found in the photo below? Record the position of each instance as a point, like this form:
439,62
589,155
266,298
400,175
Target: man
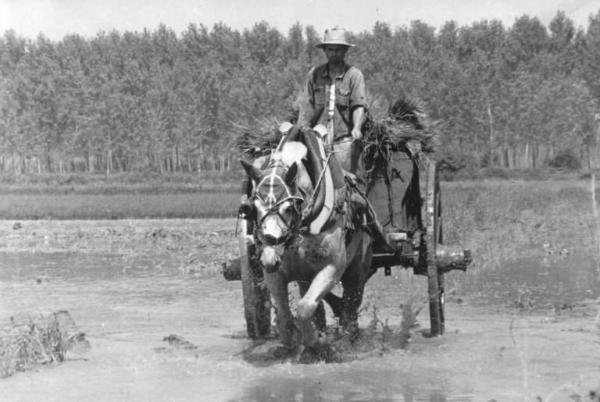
348,115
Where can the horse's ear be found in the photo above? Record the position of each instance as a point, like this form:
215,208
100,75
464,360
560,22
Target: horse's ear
252,171
290,175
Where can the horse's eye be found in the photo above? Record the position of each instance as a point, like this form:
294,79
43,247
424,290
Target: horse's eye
286,208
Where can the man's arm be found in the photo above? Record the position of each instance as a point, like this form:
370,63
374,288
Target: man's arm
358,117
358,103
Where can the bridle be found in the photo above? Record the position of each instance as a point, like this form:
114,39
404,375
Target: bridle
273,203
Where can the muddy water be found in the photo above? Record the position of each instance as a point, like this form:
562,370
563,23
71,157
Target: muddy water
128,305
550,281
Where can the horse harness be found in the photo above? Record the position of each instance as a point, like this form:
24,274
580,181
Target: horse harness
271,199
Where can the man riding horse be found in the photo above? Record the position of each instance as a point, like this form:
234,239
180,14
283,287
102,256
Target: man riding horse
344,84
298,236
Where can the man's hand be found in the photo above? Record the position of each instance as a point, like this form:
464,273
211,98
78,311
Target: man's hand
356,134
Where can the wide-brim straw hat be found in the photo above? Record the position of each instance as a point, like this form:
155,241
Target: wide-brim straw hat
334,36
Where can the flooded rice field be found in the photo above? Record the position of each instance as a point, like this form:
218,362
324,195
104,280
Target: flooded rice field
538,283
164,325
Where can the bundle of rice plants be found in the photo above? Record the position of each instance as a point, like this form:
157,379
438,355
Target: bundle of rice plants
407,128
30,341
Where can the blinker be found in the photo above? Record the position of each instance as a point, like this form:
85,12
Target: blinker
247,211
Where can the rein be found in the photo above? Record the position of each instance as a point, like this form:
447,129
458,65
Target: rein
309,205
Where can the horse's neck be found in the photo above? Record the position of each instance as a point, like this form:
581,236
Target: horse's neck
295,152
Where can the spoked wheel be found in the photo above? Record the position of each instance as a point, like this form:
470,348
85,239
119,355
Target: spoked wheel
257,309
433,237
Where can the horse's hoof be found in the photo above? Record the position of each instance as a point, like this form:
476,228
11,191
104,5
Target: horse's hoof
281,351
318,353
351,331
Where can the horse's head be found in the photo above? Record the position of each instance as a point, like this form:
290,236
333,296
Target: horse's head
275,206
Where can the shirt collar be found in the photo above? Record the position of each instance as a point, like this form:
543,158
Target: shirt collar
326,74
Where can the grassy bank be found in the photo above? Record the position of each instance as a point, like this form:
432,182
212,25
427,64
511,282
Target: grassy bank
530,210
120,183
119,206
498,220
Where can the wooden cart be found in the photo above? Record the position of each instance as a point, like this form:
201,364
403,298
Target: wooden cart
407,200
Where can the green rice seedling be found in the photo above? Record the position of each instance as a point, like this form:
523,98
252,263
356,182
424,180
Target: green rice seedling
31,341
118,206
500,220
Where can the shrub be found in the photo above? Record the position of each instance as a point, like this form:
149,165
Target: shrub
566,159
457,163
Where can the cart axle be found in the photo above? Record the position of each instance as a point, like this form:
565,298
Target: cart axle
448,258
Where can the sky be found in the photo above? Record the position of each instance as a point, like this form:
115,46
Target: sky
56,18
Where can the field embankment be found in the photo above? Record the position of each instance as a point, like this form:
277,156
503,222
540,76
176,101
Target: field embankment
127,196
498,220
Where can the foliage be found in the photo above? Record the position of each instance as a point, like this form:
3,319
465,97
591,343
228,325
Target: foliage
508,97
566,159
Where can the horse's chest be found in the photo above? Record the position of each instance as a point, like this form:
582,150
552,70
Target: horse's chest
315,252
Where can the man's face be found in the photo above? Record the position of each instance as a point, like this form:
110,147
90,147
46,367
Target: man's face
335,53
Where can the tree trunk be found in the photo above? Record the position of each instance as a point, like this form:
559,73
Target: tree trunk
491,134
109,167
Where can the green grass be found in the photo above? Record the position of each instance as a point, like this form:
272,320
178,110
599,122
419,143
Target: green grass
121,183
502,220
119,206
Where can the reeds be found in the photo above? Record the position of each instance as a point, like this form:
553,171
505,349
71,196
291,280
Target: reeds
31,341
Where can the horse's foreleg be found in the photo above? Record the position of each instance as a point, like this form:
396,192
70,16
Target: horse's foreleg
335,302
354,281
321,285
319,317
351,301
278,287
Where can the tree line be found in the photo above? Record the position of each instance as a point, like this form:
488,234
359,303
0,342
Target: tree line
522,96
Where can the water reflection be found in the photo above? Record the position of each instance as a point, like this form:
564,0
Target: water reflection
352,385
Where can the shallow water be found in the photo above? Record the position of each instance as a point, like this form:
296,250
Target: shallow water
538,282
127,305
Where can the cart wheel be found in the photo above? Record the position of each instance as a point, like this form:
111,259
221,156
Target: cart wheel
433,237
257,309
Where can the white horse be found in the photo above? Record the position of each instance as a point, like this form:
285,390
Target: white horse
288,251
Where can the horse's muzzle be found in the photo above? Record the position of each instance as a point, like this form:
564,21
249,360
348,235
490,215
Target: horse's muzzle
270,259
274,241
